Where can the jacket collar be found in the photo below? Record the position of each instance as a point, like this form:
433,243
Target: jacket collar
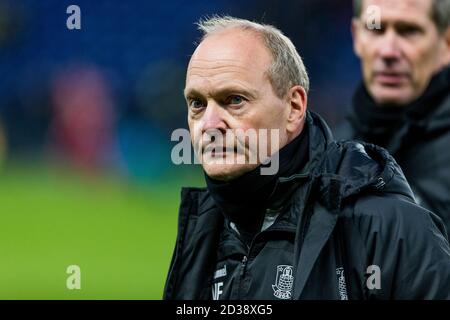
391,126
336,171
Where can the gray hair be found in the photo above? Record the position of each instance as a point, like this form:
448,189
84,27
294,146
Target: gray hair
440,13
287,69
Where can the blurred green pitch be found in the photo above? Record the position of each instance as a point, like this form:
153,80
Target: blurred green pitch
120,235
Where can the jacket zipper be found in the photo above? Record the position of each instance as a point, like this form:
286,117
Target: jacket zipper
241,277
243,266
244,263
245,259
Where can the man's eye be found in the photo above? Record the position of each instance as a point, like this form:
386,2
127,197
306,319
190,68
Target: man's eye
378,30
408,31
196,104
235,100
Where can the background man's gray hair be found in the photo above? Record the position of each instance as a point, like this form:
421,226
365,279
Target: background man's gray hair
440,13
287,69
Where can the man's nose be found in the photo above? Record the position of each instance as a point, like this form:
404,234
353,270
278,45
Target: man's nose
214,118
389,48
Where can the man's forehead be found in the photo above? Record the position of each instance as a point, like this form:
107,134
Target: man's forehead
217,74
216,62
234,54
237,48
216,66
404,7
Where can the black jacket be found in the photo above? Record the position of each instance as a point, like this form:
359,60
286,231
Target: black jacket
420,143
355,213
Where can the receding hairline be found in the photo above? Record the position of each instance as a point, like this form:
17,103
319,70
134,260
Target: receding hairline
265,69
216,24
286,69
258,34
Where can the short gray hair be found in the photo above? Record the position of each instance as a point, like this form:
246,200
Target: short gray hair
287,69
440,13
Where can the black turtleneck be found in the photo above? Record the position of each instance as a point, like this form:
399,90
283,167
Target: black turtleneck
377,123
243,200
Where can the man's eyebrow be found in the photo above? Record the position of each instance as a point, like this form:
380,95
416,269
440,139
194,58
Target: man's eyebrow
236,89
189,92
404,24
401,23
192,92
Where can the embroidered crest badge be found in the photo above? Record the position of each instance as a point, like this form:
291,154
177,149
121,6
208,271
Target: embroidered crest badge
283,282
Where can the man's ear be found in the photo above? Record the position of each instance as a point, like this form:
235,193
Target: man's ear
355,29
447,47
298,101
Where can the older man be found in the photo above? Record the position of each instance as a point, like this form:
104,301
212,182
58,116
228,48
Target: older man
336,221
404,101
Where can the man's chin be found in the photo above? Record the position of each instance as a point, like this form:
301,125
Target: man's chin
227,172
393,96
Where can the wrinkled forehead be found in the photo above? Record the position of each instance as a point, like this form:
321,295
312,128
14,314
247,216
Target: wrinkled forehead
230,53
397,9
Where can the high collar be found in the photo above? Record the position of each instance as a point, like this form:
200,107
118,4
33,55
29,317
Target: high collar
243,200
377,123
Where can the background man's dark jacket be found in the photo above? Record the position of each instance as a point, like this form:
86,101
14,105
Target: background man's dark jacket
419,142
355,211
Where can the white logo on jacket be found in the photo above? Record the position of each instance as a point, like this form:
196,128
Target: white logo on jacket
342,286
283,282
217,287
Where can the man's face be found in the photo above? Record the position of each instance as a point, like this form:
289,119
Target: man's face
227,88
399,59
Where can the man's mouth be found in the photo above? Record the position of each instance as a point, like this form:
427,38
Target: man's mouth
389,78
218,151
